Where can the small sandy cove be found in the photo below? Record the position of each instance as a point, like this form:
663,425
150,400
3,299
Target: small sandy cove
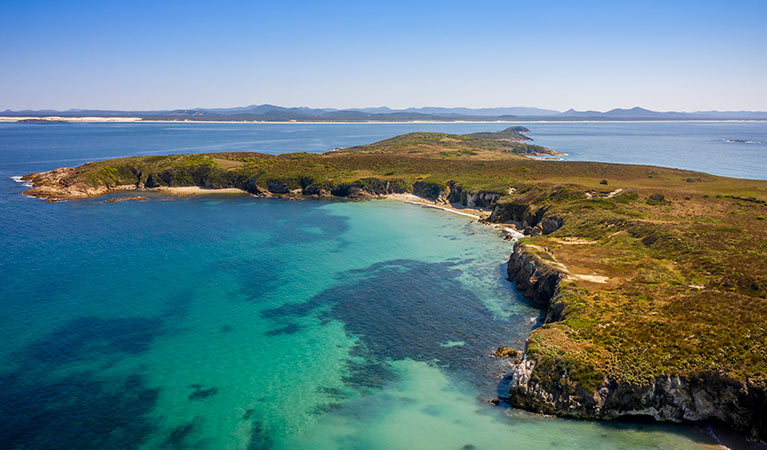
196,190
410,198
476,213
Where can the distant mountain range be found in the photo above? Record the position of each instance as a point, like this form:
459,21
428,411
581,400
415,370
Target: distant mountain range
638,113
273,113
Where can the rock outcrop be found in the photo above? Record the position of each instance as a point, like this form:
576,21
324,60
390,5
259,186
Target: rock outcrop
251,186
151,181
431,191
350,190
504,352
277,187
523,213
59,183
537,281
316,190
455,193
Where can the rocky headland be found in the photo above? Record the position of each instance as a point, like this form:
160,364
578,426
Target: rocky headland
545,383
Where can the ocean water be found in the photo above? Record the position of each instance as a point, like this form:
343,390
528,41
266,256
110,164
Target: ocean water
233,322
710,147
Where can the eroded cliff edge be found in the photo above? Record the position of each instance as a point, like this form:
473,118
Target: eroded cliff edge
551,381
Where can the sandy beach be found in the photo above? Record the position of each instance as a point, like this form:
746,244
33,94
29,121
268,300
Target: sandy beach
196,190
476,213
414,199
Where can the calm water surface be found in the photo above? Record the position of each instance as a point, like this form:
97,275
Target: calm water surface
701,146
232,322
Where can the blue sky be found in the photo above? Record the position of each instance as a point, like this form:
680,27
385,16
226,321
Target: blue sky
670,55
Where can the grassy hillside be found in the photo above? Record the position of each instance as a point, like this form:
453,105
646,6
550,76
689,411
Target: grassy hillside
487,145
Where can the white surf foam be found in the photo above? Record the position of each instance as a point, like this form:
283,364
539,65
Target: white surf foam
18,179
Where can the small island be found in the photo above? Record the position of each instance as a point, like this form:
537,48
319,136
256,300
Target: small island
653,281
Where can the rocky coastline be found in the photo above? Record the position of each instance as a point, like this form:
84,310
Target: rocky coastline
542,383
545,382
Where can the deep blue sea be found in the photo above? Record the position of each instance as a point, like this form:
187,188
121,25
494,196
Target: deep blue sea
226,321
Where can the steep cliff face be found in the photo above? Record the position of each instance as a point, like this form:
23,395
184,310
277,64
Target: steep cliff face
317,190
151,181
350,190
277,187
522,212
455,193
537,281
67,183
529,217
367,188
537,385
431,191
551,384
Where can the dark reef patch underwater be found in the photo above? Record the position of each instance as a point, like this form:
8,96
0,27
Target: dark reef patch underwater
396,315
44,404
80,411
93,337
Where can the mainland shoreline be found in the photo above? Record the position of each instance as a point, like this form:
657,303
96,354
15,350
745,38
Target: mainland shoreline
60,119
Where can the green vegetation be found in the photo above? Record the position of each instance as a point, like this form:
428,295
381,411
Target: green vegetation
486,145
509,134
666,275
106,175
685,290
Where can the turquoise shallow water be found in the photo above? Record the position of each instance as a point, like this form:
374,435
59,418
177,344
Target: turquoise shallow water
233,322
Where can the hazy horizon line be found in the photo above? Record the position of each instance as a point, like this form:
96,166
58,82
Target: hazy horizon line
277,105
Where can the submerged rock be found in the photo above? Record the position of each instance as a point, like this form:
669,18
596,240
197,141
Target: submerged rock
505,352
126,199
201,393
